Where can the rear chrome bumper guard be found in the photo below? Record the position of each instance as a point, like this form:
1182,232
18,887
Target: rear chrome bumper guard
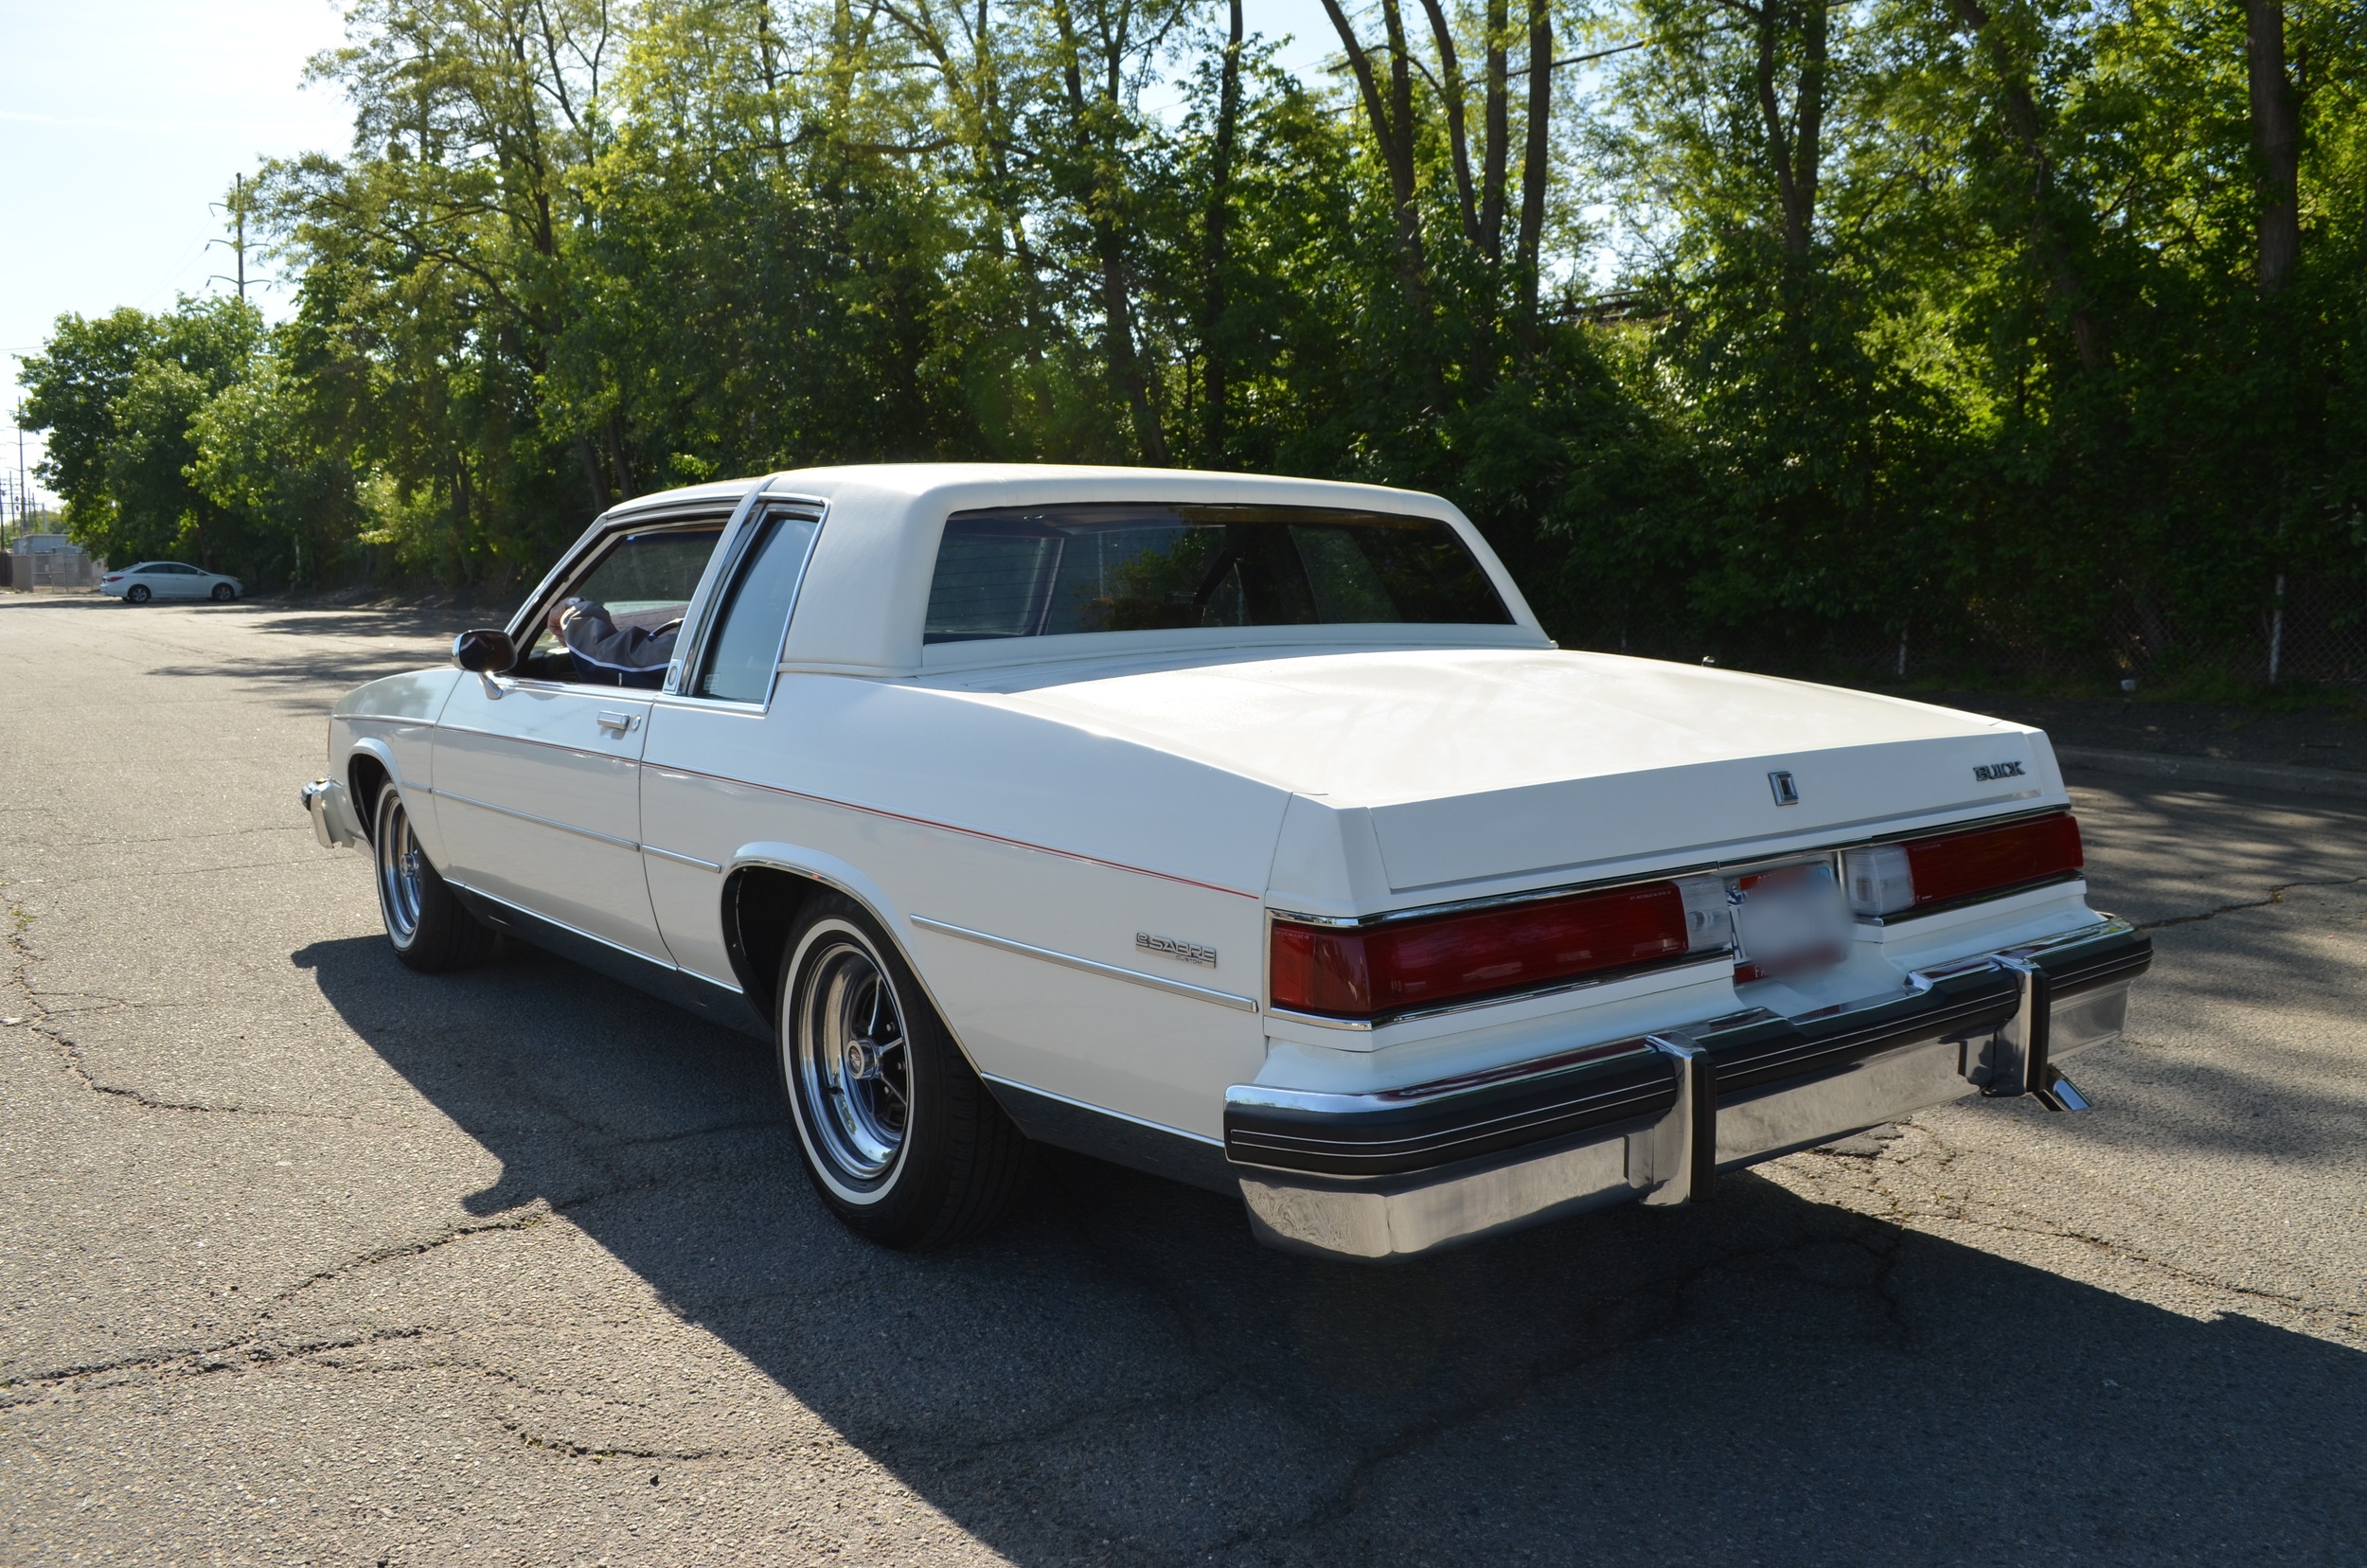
331,811
1395,1172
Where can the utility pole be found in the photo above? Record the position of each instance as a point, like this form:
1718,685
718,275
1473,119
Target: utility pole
236,208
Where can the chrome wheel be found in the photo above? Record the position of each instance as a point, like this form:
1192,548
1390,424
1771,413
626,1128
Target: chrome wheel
400,894
899,1137
850,1066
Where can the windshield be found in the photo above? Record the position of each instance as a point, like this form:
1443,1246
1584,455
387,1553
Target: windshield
1050,571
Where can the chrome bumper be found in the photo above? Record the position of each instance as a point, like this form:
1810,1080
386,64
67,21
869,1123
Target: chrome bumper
1401,1171
331,811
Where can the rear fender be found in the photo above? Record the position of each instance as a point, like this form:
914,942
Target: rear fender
831,872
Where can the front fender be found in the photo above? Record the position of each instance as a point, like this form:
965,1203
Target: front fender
392,722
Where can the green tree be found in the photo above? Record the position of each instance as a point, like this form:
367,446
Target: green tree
261,458
119,397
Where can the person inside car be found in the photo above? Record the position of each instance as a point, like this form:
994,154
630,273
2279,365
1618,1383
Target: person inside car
603,653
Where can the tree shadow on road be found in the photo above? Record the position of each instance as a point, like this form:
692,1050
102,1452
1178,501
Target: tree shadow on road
1121,1375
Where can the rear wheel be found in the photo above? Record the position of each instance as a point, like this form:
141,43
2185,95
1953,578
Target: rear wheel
431,931
136,594
223,593
900,1138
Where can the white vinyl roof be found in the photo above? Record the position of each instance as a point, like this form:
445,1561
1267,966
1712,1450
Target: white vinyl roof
866,592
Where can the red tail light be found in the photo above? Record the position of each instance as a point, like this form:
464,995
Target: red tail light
1370,970
1889,878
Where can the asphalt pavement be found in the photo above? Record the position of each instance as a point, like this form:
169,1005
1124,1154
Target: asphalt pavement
306,1258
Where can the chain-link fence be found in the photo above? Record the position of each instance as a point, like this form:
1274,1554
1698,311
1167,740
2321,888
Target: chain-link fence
38,562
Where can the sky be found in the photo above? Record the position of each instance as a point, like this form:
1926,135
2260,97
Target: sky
120,121
123,123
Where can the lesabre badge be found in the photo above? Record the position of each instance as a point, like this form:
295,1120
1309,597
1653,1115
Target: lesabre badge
1169,947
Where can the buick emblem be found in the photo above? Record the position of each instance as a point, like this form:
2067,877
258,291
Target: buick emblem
1990,771
1786,793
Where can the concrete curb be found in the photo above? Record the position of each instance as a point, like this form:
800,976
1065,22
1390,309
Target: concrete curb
2211,770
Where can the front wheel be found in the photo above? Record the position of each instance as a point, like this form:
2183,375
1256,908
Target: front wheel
136,594
429,930
900,1138
223,593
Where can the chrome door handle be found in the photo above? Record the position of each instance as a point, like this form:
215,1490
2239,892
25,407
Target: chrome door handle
615,723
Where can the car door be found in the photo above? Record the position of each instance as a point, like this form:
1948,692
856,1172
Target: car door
174,580
537,773
703,738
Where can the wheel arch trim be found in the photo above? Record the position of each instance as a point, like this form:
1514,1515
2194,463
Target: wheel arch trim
381,756
839,877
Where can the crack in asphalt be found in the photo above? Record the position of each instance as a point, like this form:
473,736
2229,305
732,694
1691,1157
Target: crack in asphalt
46,1021
524,1217
71,1055
1938,1207
226,1355
577,1451
2276,896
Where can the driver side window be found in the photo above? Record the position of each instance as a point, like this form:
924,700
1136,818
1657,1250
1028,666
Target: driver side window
638,588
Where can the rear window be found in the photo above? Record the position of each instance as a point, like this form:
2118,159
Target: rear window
1051,571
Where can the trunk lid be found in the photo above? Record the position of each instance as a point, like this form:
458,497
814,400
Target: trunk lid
1480,764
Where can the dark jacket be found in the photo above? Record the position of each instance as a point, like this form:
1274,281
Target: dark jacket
604,656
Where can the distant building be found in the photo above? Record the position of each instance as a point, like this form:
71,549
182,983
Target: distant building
49,560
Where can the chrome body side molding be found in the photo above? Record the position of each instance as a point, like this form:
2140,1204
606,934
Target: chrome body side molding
528,816
1091,966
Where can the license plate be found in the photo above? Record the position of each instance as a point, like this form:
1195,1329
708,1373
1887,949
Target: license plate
1788,919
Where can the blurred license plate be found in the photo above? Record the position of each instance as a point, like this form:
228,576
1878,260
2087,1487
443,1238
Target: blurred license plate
1788,919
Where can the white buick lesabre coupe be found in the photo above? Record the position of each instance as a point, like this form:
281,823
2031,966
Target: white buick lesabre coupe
1245,830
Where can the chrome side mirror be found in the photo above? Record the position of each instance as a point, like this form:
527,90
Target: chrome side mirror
484,653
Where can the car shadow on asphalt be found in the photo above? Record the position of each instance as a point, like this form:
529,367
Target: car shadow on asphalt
1121,1374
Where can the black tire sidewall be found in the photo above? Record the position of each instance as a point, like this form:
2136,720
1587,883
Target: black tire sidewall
136,594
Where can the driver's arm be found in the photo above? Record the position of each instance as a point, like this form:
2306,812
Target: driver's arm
596,644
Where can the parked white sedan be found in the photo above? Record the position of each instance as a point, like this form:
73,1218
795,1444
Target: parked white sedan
1246,830
158,579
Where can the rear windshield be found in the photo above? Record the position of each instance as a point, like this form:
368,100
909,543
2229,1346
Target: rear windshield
1049,571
